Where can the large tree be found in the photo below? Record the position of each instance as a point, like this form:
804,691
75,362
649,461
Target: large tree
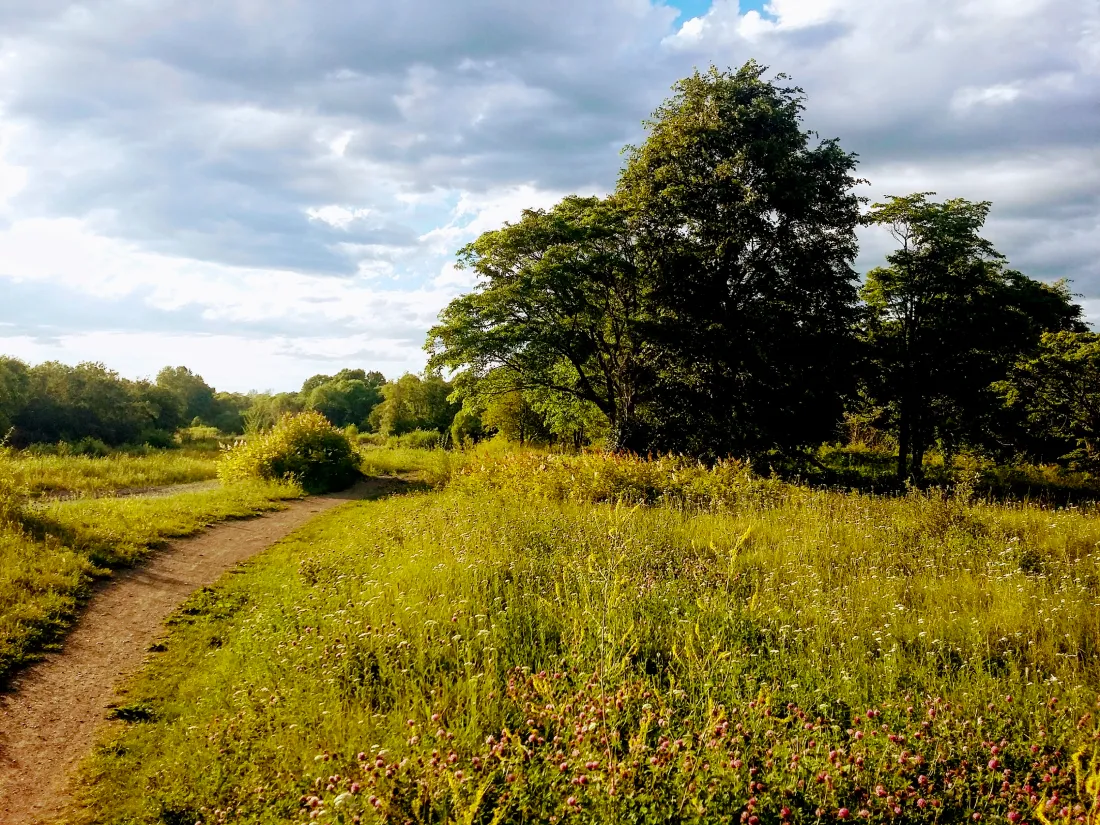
197,396
412,403
1055,392
706,306
945,319
345,401
559,306
745,224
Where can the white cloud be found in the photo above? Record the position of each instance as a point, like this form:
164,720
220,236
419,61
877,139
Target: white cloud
13,178
477,213
969,97
308,173
67,254
339,216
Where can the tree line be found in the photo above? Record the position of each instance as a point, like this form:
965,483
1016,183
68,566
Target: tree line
710,306
54,402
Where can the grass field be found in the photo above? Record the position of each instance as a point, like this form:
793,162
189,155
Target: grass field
587,639
50,552
46,475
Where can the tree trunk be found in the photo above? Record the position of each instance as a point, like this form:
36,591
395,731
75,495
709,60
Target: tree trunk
903,440
628,436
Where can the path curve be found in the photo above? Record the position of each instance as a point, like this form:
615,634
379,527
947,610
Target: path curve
48,722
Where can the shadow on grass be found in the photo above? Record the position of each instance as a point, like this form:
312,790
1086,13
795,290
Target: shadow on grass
874,473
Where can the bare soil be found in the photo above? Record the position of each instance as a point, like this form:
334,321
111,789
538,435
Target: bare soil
48,721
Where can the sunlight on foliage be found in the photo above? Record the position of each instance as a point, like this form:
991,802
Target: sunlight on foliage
589,638
303,448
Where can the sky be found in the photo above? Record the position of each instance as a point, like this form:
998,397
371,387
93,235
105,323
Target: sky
267,189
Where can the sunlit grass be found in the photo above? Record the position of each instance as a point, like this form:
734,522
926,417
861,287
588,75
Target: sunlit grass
38,475
50,552
736,646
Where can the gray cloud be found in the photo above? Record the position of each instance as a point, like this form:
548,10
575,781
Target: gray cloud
46,311
202,127
207,131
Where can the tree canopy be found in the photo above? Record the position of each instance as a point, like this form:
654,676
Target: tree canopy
945,320
707,305
559,307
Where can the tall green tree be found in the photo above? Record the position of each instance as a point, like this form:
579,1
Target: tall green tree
1055,390
412,403
345,401
67,403
945,320
197,396
744,225
559,306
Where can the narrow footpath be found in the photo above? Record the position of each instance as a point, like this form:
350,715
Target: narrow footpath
48,721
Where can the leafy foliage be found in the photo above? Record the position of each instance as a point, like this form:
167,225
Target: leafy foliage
558,308
304,448
414,403
1056,389
707,306
945,320
346,399
746,229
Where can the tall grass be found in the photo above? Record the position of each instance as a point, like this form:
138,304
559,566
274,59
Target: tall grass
45,474
606,640
49,554
434,466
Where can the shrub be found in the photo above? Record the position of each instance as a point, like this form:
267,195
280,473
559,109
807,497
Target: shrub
598,477
158,439
420,439
303,447
198,434
414,440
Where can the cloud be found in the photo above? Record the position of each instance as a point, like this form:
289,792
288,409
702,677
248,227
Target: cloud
985,99
295,176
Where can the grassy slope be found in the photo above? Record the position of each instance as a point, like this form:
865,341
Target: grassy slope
695,660
36,475
50,555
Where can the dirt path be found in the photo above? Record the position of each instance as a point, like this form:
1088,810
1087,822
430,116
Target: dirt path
158,491
48,722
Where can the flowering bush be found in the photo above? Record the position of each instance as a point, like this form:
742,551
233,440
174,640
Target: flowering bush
304,448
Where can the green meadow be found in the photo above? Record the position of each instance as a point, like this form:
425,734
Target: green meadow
51,551
603,639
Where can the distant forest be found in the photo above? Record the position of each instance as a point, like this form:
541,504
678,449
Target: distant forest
53,402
